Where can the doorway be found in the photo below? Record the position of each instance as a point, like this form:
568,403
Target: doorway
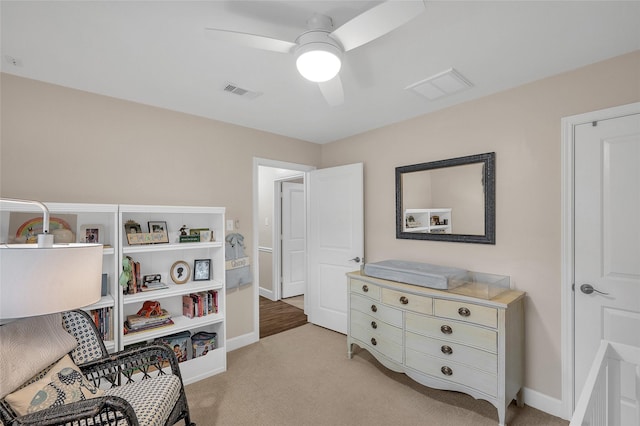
269,177
603,158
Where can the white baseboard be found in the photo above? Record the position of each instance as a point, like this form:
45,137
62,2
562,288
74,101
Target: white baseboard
543,402
241,341
269,294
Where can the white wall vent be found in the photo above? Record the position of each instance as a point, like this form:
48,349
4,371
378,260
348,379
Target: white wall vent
245,93
440,85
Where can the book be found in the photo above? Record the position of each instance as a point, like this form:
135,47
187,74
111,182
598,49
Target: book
188,310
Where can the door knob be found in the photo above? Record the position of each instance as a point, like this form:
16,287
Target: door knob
355,259
588,289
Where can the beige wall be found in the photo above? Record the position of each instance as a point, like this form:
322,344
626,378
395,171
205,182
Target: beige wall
70,146
523,127
67,145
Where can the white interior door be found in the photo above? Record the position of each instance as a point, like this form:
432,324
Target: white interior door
335,241
607,245
293,240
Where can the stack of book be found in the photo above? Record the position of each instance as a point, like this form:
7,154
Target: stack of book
200,304
133,286
137,323
102,318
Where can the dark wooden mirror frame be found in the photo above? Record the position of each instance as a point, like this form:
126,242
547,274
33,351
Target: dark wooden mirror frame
489,177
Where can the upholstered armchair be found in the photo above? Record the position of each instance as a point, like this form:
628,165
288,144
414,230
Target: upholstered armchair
80,383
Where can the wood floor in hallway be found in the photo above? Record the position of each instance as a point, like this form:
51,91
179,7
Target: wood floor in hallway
278,316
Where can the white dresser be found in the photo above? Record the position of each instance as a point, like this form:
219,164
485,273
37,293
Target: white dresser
441,339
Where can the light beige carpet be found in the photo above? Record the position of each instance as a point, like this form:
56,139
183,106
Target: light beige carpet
303,377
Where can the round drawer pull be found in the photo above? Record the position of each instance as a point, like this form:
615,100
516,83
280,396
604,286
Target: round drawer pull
404,300
365,288
446,329
374,325
446,350
374,308
373,341
464,312
447,371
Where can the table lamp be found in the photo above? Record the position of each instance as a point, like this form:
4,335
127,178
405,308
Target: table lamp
44,278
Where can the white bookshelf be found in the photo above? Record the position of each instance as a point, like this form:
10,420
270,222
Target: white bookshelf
103,215
158,259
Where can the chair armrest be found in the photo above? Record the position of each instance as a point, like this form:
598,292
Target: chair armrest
132,365
100,410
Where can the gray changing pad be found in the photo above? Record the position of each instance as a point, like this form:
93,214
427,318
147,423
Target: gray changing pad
417,273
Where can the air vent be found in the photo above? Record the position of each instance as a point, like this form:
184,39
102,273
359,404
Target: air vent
440,85
245,93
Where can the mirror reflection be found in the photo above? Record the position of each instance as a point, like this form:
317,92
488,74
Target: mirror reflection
447,200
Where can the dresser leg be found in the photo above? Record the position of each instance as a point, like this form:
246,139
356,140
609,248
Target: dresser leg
502,413
349,350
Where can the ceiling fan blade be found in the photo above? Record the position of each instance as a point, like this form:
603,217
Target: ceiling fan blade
250,40
376,22
332,91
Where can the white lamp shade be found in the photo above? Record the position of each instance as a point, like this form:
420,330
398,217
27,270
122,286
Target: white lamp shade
318,62
39,281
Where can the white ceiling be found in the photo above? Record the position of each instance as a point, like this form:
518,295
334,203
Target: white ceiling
156,53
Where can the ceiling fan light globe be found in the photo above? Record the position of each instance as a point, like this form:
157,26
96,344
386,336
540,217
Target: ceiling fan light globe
318,64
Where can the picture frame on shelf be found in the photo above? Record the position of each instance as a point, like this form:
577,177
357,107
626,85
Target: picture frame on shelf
160,230
180,272
157,226
202,269
92,234
197,231
132,227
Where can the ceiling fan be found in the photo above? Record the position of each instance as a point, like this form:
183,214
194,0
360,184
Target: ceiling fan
319,50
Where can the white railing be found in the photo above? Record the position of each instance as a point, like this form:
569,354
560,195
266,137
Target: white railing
611,394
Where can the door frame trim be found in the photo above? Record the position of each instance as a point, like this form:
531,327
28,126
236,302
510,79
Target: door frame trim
567,241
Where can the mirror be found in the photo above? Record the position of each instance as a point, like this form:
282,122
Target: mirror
447,200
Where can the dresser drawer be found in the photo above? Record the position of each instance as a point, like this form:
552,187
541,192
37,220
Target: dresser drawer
385,338
452,372
374,327
451,351
365,289
453,331
376,309
467,312
407,301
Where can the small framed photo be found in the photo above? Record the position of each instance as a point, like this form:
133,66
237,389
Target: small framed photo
157,226
160,231
206,236
132,227
93,234
180,272
202,269
197,231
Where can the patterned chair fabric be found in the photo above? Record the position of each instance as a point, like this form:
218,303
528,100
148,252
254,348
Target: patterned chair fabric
142,386
90,345
152,400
